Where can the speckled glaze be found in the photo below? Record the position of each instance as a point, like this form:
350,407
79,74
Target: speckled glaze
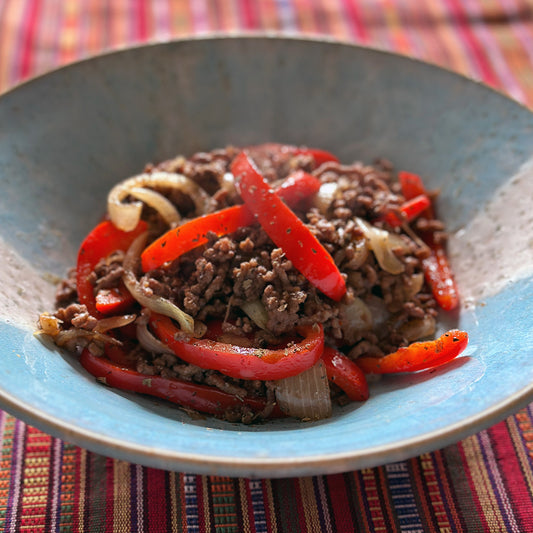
66,137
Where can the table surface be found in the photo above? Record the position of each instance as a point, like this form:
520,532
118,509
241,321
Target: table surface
483,483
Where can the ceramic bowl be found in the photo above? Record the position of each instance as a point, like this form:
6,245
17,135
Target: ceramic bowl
66,137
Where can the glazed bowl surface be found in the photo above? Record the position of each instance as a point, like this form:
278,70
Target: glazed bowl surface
68,136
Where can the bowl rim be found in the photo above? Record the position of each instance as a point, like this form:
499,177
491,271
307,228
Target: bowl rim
264,466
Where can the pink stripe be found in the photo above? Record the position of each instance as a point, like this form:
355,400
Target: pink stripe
497,482
248,16
29,27
519,28
357,28
472,46
140,17
494,53
15,488
200,18
57,462
14,71
509,464
162,20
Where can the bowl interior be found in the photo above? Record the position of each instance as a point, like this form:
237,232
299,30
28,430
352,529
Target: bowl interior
75,132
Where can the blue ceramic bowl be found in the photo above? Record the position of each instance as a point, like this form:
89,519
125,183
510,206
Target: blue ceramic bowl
66,137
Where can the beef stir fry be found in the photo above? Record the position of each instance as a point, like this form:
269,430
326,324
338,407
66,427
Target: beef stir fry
259,282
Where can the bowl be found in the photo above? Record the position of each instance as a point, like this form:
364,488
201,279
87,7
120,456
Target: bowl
69,135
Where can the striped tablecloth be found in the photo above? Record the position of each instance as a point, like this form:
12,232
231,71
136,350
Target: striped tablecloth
482,484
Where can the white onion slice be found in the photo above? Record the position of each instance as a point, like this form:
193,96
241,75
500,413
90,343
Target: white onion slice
418,328
159,202
148,341
126,216
152,302
305,396
256,310
325,196
105,324
71,337
228,183
380,244
355,317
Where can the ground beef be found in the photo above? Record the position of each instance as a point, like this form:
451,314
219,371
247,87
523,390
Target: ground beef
66,292
215,280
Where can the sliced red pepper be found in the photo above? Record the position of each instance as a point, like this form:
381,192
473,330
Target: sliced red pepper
320,156
298,186
345,374
417,356
192,234
437,269
439,277
114,301
201,398
101,241
409,210
411,184
287,231
188,236
243,362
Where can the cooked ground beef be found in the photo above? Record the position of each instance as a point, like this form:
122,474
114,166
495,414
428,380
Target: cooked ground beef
213,281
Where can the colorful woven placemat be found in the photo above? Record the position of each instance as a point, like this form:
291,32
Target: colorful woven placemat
482,484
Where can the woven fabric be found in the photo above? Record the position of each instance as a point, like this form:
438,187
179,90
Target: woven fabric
482,484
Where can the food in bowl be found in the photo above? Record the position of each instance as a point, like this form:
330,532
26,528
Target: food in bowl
259,282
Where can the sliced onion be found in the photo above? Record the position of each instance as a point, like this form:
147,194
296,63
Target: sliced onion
49,324
306,395
159,202
257,312
418,328
355,318
228,183
112,322
380,244
325,196
416,282
126,216
148,341
151,301
379,311
70,337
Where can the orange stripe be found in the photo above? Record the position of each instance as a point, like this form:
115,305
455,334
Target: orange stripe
69,32
481,485
121,494
310,505
12,13
268,15
443,31
181,18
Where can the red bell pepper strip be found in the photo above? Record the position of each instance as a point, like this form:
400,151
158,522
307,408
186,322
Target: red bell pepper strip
346,374
298,186
243,362
411,185
101,241
417,356
114,301
190,395
436,267
409,210
192,234
287,231
188,236
320,156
